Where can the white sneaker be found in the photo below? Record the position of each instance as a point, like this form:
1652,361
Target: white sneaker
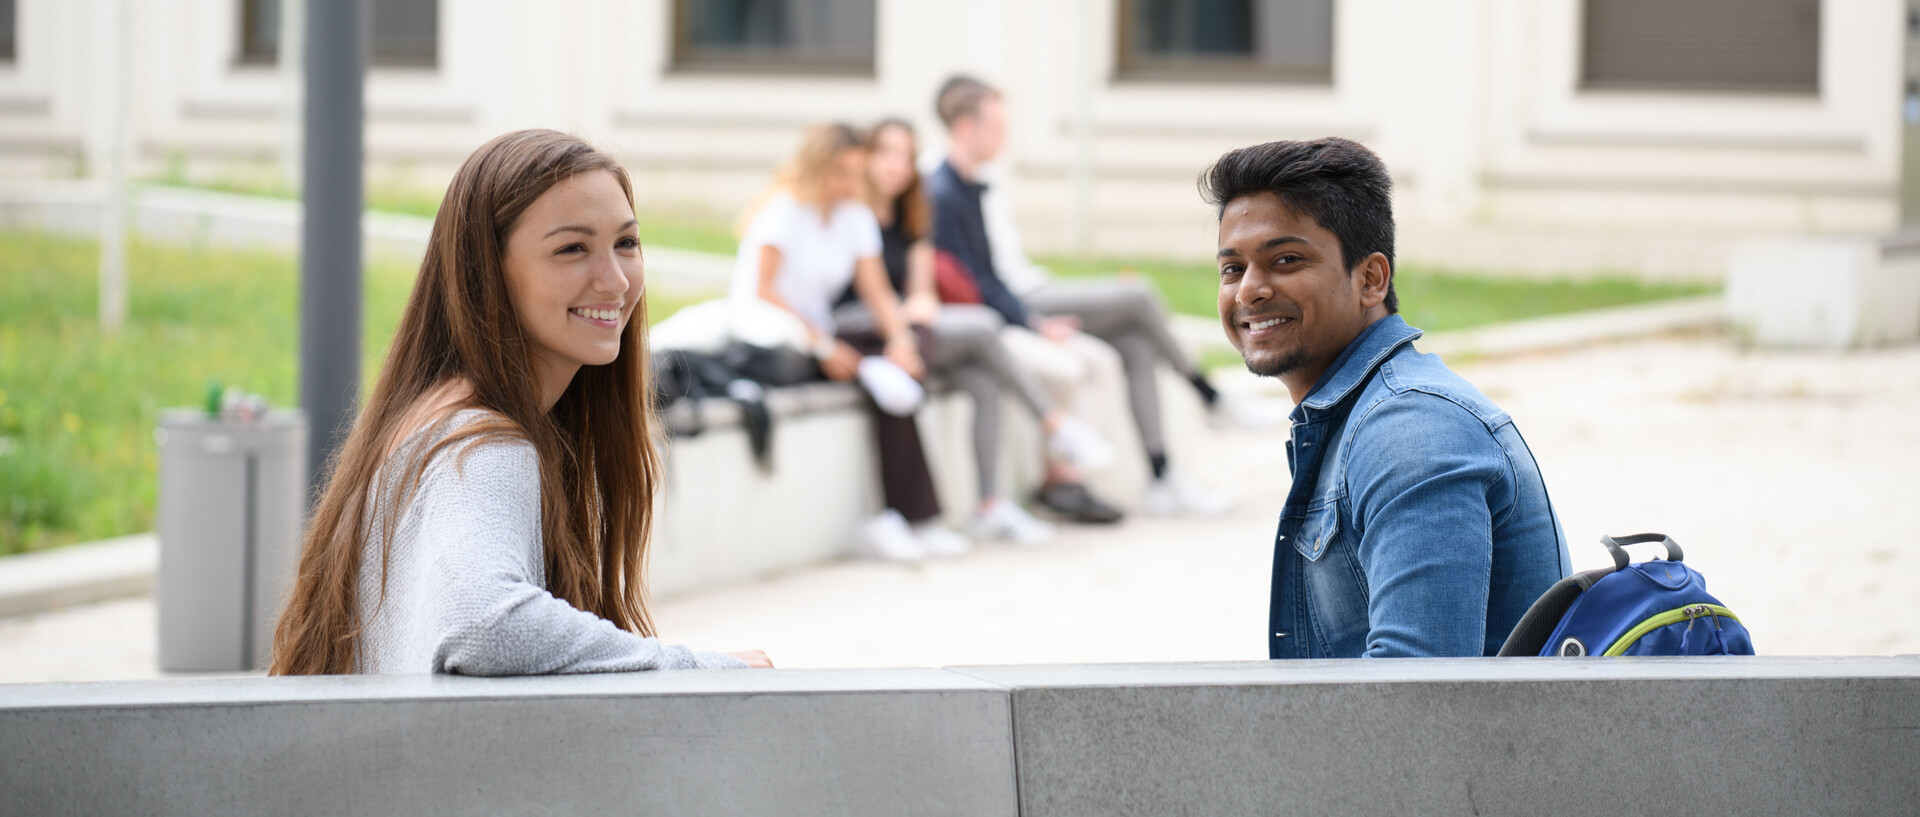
896,392
1175,495
1009,522
936,540
888,538
1076,443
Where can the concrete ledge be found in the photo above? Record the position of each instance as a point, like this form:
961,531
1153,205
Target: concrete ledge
45,580
799,742
1750,736
1473,736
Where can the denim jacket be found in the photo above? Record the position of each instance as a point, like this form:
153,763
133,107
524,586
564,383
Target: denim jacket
1417,524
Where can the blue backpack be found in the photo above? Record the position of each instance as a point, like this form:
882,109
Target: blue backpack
1652,608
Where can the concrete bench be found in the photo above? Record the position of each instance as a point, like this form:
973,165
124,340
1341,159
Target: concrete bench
722,519
1749,736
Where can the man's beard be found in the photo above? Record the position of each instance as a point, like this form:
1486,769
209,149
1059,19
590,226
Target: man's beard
1279,364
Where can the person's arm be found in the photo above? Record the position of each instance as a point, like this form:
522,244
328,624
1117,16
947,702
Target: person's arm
479,532
952,232
843,362
871,284
769,291
923,291
1419,478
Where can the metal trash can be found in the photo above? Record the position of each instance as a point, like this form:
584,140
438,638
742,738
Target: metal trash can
231,504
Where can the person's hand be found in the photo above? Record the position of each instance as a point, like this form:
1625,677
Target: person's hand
921,309
843,364
904,351
1058,329
754,658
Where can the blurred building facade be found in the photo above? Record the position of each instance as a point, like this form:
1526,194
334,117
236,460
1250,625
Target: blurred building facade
1537,135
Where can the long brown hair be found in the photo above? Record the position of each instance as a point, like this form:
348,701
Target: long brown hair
915,211
599,468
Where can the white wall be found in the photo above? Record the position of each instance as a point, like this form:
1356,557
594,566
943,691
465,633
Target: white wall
1500,161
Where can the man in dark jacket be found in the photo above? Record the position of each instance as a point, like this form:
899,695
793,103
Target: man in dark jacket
1128,316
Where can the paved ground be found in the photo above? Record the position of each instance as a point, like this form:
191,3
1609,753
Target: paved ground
1788,477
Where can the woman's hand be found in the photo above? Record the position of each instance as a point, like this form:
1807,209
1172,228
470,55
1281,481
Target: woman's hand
1058,329
754,658
904,351
921,309
843,364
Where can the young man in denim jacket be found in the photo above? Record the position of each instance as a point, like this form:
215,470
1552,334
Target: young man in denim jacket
1418,523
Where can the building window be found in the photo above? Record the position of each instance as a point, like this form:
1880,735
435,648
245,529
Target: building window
813,36
405,33
1701,45
259,31
1283,40
8,26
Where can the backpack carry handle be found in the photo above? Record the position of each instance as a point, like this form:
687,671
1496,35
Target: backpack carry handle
1620,559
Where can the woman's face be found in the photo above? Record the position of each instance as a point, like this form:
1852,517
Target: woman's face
575,275
890,166
843,176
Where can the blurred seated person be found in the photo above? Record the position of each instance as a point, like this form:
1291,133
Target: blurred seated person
809,239
1127,316
968,349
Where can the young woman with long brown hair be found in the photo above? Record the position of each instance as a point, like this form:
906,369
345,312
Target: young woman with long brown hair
490,511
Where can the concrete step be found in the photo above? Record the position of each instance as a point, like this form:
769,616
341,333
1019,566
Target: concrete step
51,579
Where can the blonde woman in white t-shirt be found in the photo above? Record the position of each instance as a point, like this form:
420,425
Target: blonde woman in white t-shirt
810,237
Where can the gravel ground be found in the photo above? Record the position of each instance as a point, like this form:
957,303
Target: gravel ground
1788,476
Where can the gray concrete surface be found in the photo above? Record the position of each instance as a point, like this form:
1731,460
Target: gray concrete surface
1470,736
820,742
1753,736
49,580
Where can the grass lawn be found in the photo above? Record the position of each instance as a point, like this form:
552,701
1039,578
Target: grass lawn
77,410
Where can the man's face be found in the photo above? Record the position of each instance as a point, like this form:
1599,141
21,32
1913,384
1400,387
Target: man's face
1287,301
985,132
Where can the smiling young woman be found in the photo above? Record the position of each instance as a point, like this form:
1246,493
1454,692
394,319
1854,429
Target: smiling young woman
489,513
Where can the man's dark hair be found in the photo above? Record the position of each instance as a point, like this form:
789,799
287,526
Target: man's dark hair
1338,182
960,96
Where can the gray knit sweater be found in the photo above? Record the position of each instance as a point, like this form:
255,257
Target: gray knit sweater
465,584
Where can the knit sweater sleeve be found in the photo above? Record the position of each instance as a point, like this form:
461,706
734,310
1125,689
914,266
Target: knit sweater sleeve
487,610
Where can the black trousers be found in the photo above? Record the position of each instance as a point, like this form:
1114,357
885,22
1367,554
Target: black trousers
905,478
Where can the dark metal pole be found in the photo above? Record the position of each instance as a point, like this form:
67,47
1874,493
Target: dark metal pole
330,235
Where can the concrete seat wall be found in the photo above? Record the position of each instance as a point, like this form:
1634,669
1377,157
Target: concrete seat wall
1749,736
725,519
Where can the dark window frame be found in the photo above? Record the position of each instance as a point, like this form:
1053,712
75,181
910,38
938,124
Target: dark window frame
427,60
1129,66
10,44
1586,60
252,53
688,58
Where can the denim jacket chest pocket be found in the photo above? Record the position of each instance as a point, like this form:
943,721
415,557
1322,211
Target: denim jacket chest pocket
1335,585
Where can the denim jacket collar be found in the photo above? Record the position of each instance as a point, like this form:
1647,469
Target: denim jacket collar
1367,351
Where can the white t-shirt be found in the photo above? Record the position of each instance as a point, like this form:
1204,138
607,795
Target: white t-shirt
816,257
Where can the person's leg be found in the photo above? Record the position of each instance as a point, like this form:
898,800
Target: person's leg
970,335
1143,393
984,389
1120,312
905,478
1056,368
